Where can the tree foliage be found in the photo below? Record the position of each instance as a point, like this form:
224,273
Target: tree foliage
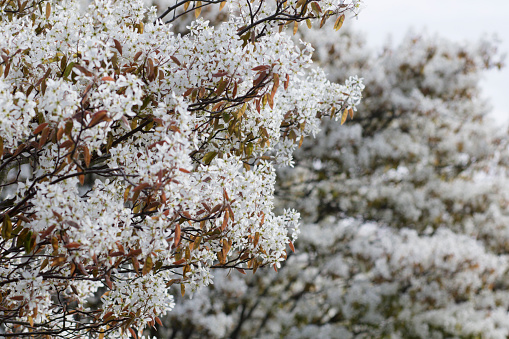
405,210
135,159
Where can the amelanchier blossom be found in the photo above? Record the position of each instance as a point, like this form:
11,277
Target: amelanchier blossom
405,210
135,159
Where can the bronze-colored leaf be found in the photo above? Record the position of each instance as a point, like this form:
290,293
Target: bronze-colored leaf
225,221
40,128
44,136
339,22
86,155
118,46
72,245
48,10
344,116
176,240
98,117
197,10
291,246
147,267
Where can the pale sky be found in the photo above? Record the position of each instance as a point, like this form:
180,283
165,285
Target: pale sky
458,20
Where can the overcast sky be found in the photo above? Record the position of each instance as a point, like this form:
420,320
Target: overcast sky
459,20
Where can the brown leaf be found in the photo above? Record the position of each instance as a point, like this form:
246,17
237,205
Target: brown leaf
175,60
40,128
136,264
83,70
179,262
270,100
291,246
225,221
231,215
216,208
82,269
225,195
6,70
44,137
108,281
54,243
133,253
19,149
72,245
261,68
147,267
58,261
81,177
118,46
141,186
176,240
133,333
66,144
86,155
137,55
48,10
256,239
98,117
219,74
47,231
107,315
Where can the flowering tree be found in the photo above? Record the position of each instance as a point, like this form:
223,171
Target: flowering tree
405,211
181,133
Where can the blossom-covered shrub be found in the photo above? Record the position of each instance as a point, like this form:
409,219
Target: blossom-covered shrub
135,159
405,210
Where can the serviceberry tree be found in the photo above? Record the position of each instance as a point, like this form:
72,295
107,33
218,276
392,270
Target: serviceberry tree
405,210
134,159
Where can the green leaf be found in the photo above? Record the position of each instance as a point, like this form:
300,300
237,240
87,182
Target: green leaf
29,242
249,149
7,227
207,159
68,69
221,86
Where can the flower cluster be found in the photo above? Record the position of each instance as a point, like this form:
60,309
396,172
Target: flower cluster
135,157
405,209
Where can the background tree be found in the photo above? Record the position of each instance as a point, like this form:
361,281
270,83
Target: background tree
405,210
182,132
